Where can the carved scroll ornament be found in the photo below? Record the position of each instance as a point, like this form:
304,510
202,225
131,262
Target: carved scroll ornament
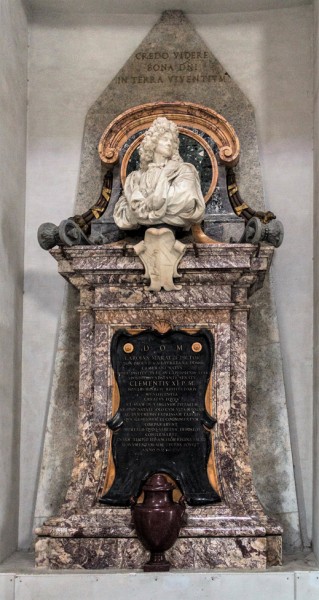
184,114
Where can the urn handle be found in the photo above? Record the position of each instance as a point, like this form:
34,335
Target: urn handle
182,501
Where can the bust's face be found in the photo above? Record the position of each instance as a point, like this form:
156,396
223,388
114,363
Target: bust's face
164,145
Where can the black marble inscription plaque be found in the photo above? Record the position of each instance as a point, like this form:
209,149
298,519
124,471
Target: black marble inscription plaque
162,425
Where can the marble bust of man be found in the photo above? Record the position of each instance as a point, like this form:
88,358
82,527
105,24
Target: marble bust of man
165,190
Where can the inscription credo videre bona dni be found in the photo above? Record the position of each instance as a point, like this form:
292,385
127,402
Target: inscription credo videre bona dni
173,67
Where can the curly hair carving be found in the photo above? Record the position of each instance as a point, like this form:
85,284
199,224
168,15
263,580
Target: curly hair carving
159,127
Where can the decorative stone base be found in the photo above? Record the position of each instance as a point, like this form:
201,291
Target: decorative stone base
215,281
187,553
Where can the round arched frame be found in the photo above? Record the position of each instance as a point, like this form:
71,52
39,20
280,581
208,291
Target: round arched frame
184,114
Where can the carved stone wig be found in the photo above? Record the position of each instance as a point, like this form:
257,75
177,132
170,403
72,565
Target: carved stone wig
160,126
165,189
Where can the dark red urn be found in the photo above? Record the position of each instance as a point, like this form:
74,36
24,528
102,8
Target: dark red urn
157,520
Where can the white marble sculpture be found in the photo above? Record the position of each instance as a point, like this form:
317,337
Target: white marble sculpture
165,189
160,254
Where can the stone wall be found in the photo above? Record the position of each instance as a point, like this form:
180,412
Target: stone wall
13,104
71,61
316,285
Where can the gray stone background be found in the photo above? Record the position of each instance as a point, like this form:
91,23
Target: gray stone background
139,81
72,51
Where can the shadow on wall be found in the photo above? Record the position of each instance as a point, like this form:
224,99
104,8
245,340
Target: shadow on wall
274,133
60,436
268,54
10,418
287,157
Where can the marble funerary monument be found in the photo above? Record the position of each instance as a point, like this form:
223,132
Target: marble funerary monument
165,268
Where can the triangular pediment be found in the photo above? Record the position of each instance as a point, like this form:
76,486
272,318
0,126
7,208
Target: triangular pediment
171,64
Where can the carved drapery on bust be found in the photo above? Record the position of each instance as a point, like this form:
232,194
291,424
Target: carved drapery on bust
165,189
215,139
214,283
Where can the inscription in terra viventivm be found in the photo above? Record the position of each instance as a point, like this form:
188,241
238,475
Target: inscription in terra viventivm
173,67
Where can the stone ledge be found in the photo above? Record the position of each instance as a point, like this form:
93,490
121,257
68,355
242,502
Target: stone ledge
187,553
297,579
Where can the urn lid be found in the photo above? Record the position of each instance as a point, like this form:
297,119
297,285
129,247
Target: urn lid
157,483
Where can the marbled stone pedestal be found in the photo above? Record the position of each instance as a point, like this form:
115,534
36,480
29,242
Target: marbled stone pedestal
216,281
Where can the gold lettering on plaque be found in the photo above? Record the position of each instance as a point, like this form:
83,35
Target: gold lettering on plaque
162,439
